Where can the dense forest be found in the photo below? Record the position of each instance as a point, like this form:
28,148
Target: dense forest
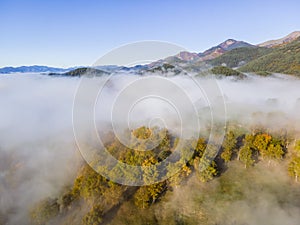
223,70
82,71
251,163
283,59
240,56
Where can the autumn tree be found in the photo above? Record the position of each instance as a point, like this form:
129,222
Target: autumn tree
200,147
176,173
269,147
261,143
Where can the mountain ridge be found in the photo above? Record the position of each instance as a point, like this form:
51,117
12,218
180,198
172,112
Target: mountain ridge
230,53
283,59
285,40
214,51
33,69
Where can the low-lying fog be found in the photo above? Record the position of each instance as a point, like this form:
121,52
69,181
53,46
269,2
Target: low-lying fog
38,154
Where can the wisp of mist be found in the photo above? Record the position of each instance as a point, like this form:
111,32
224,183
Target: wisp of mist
38,153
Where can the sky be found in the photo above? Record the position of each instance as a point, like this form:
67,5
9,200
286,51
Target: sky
77,32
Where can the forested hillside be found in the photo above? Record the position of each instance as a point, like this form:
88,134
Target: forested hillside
239,56
285,59
239,174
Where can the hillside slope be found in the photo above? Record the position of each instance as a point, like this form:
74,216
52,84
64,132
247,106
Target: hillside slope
285,59
239,56
84,71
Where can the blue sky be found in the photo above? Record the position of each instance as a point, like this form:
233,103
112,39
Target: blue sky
67,33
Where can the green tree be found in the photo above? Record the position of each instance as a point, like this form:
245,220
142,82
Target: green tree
150,173
269,147
151,176
94,217
229,146
246,155
223,70
142,197
275,151
294,167
297,146
206,169
165,142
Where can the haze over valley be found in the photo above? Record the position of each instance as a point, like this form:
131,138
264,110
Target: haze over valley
37,144
149,113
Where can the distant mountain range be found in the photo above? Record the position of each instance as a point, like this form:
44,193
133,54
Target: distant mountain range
66,71
210,53
229,45
275,56
33,69
81,71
